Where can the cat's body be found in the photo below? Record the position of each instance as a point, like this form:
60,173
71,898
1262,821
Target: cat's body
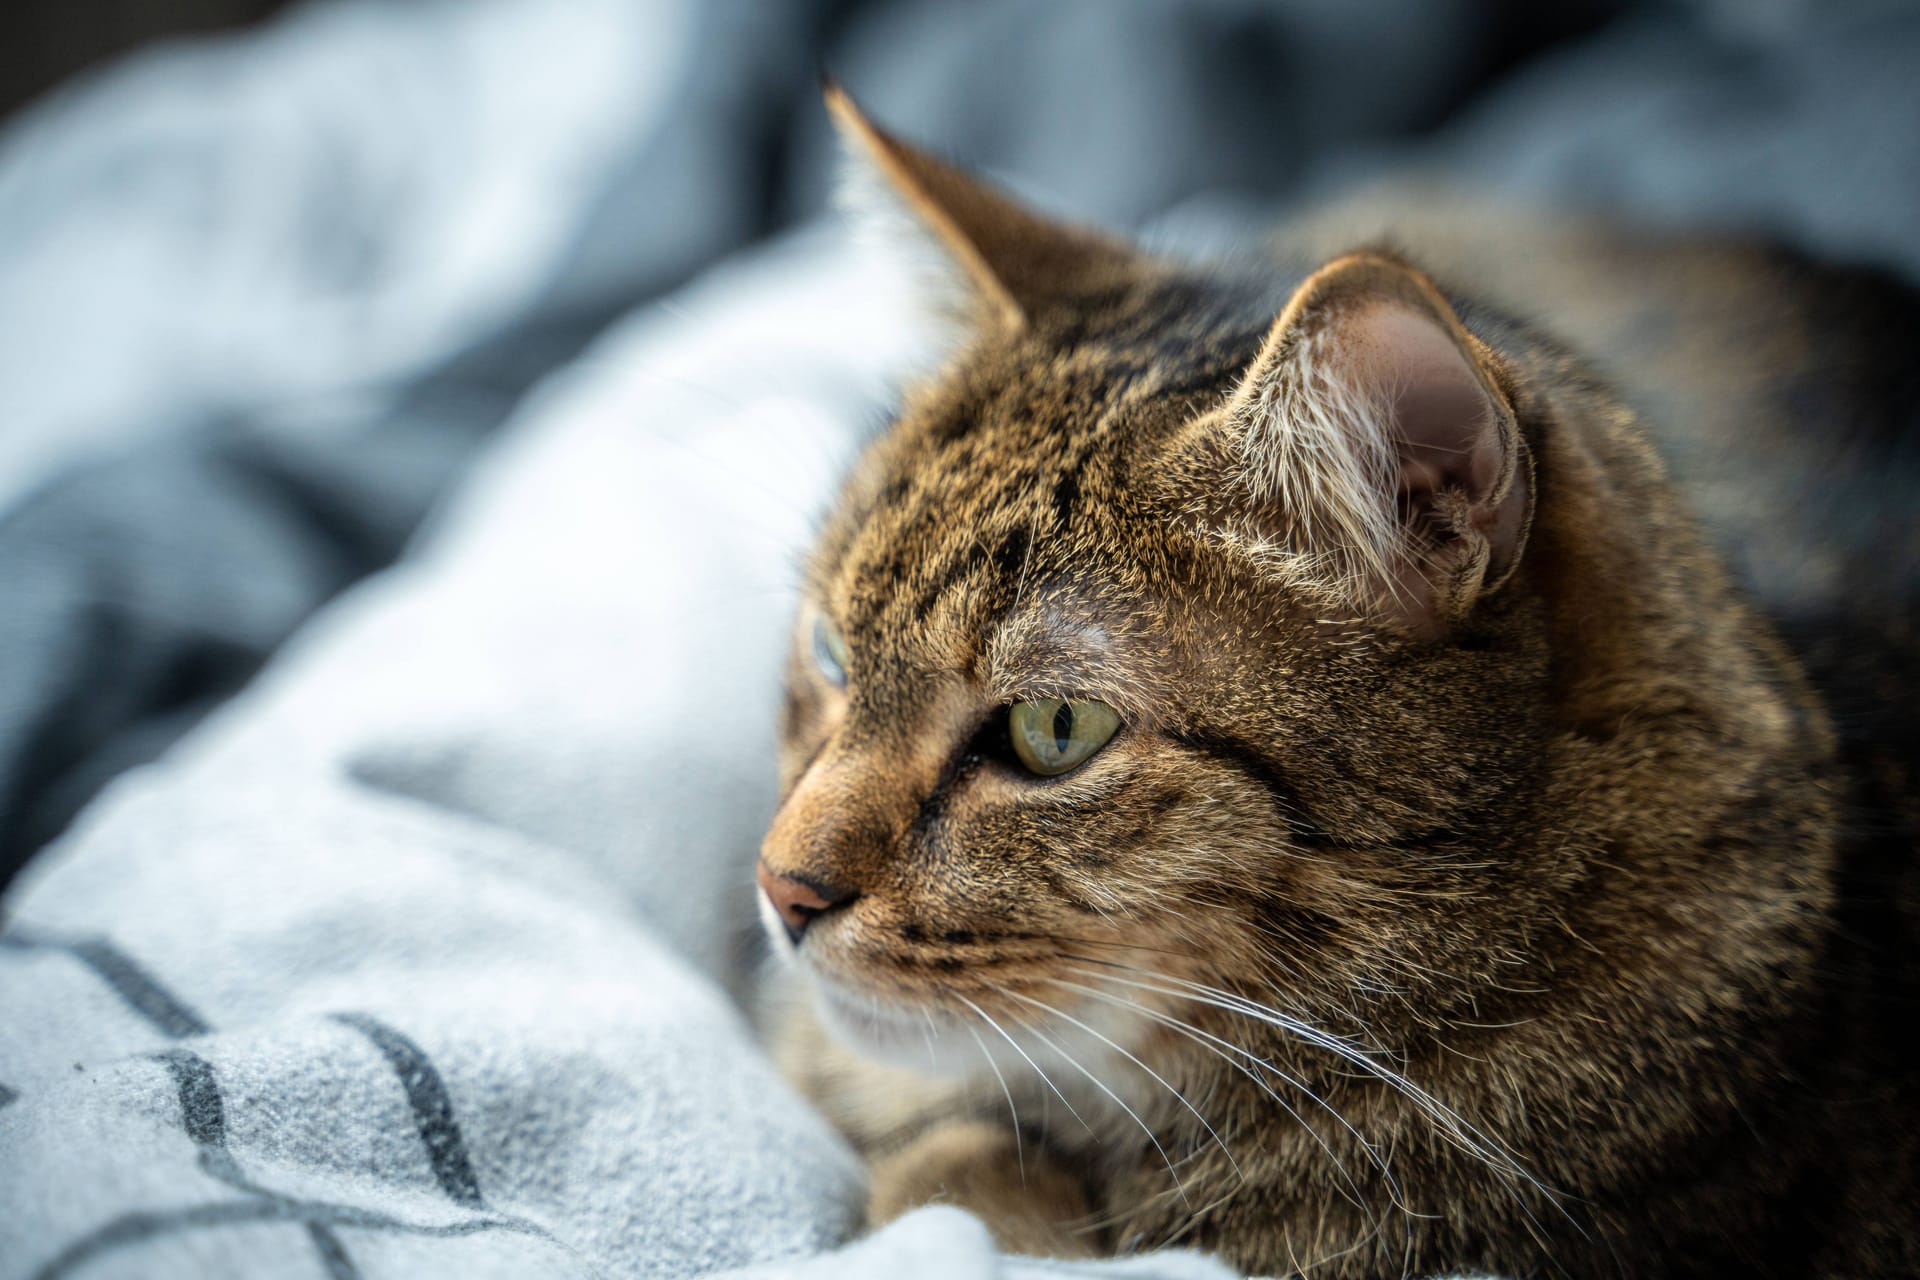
1487,891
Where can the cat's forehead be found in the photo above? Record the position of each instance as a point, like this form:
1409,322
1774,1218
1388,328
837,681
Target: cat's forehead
1052,423
1007,526
980,526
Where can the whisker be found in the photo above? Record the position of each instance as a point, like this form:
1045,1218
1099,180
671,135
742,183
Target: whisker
1450,1123
1178,1096
988,1019
933,1059
1019,1146
1453,1127
1118,1101
1215,1044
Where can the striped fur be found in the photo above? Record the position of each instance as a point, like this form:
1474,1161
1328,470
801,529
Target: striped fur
1460,892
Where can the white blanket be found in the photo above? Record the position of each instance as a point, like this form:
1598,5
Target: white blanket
418,959
413,961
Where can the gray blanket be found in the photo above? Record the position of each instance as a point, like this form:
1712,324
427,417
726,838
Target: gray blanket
414,958
422,956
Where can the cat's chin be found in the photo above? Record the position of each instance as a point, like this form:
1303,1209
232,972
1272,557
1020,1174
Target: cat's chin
1075,1044
899,1035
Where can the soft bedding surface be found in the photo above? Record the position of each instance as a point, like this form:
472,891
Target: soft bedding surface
423,955
415,959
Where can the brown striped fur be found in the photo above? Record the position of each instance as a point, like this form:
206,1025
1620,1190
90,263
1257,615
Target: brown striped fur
1544,821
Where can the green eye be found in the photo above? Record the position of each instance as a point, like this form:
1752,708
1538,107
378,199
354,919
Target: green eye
1052,736
830,651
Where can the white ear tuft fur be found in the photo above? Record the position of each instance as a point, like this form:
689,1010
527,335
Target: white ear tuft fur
886,226
1317,452
1371,446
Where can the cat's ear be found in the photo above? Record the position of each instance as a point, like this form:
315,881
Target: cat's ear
1013,263
1372,447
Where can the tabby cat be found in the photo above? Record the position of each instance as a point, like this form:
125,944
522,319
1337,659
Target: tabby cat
1272,764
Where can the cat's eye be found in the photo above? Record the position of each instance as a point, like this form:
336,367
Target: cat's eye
1053,735
830,651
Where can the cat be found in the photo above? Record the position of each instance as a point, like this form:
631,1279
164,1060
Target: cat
1272,764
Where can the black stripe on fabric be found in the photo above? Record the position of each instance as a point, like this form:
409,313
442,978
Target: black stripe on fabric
202,1111
140,990
133,1228
8,1095
432,1107
333,1254
203,1114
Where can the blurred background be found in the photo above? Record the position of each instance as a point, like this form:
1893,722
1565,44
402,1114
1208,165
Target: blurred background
271,272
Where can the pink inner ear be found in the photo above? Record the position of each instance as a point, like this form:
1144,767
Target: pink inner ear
1446,429
1376,445
1448,434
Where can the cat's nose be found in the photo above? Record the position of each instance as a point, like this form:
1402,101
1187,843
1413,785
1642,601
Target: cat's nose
799,902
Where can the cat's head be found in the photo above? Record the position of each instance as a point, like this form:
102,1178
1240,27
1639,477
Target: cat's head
1171,634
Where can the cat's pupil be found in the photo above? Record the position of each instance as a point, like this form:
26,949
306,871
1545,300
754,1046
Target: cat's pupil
1062,728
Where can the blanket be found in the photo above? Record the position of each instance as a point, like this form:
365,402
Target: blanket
423,954
414,958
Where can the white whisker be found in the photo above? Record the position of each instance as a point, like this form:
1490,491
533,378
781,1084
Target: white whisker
1019,1147
988,1019
1448,1123
1178,1096
1118,1101
1216,1044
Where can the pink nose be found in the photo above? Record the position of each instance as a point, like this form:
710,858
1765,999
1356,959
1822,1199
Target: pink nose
798,902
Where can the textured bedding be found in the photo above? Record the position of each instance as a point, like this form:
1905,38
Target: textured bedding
424,954
415,958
